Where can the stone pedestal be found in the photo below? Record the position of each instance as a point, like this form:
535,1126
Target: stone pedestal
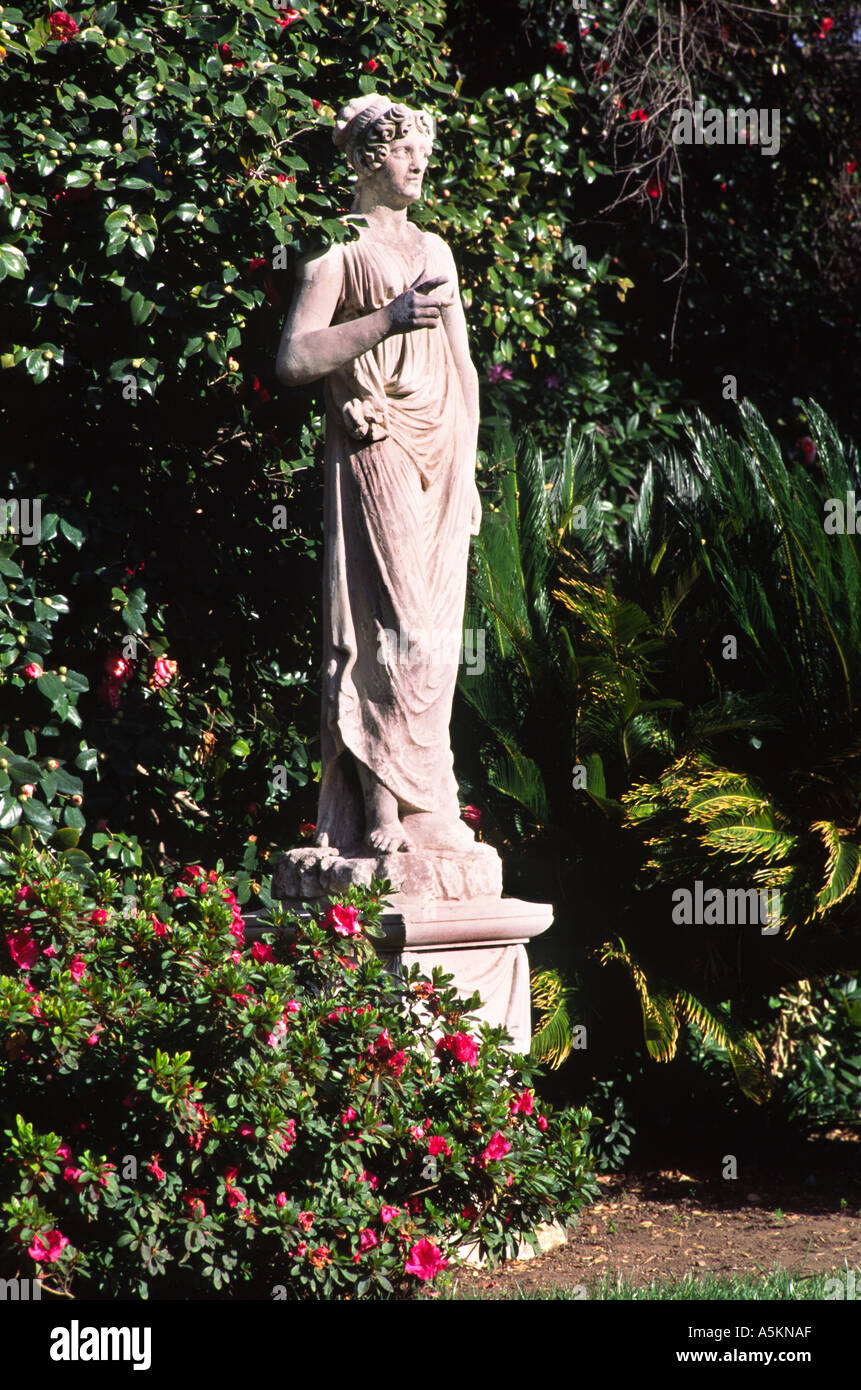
481,942
446,910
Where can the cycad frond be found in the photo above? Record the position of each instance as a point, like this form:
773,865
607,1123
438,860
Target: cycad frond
552,1038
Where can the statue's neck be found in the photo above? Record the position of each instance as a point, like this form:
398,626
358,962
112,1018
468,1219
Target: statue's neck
389,223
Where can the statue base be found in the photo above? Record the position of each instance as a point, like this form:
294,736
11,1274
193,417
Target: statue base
446,910
311,874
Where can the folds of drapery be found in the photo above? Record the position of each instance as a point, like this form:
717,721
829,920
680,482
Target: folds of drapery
396,520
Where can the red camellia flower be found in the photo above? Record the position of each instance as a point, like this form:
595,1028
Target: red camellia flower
637,115
33,671
163,672
437,1145
825,28
288,17
654,187
63,27
316,104
461,1046
560,47
306,829
371,65
99,917
601,67
262,952
523,1104
497,1148
47,1247
424,1260
343,920
23,949
159,928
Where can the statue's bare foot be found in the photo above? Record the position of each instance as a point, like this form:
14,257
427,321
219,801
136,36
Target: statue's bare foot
431,830
384,832
388,838
321,839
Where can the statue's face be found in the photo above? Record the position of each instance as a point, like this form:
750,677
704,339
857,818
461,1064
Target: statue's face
398,181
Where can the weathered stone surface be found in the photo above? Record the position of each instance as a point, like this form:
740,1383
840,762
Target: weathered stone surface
308,874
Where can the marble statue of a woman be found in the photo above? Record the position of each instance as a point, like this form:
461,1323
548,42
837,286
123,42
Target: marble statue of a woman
380,318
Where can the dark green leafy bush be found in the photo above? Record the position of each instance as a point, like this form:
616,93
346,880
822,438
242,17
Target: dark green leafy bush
183,1114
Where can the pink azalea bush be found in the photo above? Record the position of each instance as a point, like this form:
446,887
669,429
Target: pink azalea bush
185,1112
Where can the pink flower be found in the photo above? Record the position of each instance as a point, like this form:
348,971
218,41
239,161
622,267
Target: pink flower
288,18
497,372
523,1104
262,952
438,1145
50,951
47,1247
78,969
179,892
349,1115
279,1032
343,920
542,1123
367,1239
497,1148
33,671
246,1130
23,949
281,1199
25,894
99,917
192,1199
63,27
424,1260
388,1214
155,1168
94,1036
306,1220
64,1151
191,872
461,1045
287,1135
163,672
417,1132
369,1179
316,105
471,815
73,1175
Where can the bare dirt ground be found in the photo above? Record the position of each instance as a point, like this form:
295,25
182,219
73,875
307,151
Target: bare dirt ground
667,1223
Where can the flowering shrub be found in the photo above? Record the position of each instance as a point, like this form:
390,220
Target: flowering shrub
184,1113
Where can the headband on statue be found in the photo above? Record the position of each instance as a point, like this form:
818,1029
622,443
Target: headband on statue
365,128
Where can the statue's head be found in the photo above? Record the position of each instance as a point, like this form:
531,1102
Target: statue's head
366,128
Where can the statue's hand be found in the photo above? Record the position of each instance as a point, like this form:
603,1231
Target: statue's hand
414,309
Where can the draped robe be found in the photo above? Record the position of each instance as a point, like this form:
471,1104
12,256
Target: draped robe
399,498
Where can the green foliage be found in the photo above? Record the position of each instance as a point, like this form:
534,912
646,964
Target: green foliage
183,1115
678,708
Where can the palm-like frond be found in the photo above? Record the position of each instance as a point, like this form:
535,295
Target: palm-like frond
552,1037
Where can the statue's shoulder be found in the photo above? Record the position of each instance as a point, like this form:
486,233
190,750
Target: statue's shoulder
322,265
436,247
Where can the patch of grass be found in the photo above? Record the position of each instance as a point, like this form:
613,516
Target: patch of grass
781,1285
